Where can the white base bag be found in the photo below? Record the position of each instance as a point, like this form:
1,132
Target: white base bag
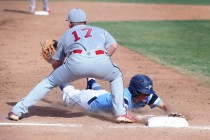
41,13
167,122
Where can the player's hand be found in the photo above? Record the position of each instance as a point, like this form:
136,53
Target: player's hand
173,114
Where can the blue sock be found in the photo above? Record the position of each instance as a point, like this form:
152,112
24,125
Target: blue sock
92,84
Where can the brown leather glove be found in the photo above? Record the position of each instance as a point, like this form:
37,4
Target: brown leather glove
49,49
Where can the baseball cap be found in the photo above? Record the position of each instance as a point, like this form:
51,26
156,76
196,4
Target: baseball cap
76,15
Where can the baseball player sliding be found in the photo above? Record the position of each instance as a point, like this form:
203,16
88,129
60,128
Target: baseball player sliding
86,51
139,94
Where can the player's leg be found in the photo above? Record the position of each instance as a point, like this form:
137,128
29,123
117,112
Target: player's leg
106,70
70,96
116,85
58,77
46,5
102,103
36,94
118,98
32,6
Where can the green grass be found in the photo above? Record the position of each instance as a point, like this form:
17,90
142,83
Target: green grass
193,2
184,45
197,2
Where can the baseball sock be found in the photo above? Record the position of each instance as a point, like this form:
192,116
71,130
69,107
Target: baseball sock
92,84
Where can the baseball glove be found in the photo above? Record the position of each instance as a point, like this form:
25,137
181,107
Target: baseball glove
49,49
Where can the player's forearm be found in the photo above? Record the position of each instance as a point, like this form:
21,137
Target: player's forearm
165,108
112,49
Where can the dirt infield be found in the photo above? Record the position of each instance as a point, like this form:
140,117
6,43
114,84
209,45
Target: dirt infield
22,68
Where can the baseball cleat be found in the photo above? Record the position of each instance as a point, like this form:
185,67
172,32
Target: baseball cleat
32,12
125,119
12,116
47,10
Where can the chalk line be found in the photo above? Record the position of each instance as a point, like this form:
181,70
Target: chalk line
119,126
40,124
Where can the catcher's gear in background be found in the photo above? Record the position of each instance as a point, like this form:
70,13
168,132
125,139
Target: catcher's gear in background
49,49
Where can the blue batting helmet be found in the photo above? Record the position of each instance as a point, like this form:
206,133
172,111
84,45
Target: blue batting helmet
140,84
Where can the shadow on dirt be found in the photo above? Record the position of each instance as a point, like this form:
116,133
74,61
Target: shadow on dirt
46,111
16,11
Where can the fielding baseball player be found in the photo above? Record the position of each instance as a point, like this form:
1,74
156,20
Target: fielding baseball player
88,50
139,94
32,6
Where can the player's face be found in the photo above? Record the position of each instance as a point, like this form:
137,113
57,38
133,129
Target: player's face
143,97
140,98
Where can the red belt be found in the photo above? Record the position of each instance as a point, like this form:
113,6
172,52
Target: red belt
97,52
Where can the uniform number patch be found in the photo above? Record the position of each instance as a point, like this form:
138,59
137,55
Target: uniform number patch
87,34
